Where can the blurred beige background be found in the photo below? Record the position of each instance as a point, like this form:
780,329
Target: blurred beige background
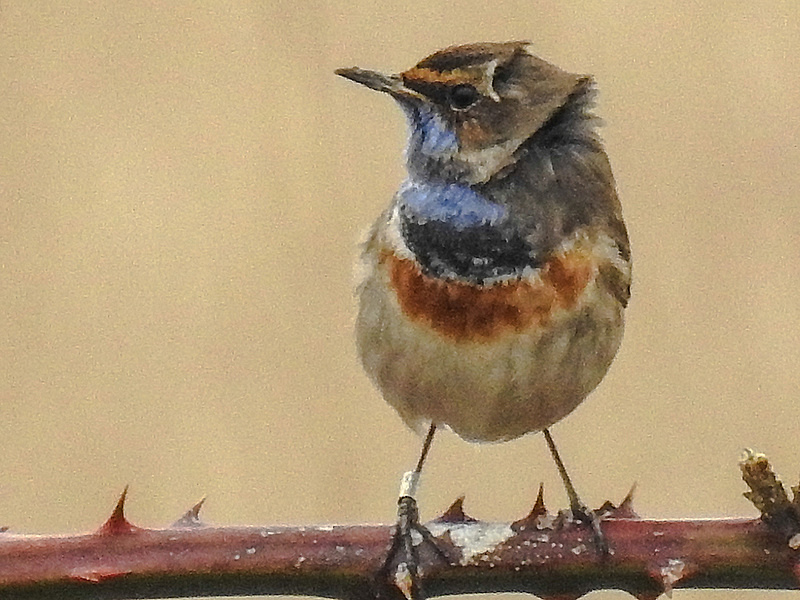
182,189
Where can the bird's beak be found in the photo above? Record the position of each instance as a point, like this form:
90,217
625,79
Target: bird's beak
391,84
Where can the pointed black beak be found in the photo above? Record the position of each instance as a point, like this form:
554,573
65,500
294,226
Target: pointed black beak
391,84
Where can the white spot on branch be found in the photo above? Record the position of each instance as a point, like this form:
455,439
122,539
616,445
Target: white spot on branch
473,539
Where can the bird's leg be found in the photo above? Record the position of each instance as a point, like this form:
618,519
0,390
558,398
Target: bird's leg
403,558
579,509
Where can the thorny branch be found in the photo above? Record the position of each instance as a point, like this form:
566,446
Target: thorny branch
544,554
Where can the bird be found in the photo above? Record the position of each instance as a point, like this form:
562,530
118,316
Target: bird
495,283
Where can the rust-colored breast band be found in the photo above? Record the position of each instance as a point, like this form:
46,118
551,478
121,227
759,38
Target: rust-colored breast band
467,312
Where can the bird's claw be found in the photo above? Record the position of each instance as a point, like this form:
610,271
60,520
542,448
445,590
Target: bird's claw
402,565
590,518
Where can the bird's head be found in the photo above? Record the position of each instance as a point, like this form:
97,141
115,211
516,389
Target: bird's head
470,107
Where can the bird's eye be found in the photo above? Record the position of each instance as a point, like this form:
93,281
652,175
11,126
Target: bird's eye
463,95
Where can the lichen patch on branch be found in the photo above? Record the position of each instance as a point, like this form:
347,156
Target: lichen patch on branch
473,539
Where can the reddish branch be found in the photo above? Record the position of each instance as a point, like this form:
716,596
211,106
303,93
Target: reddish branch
548,556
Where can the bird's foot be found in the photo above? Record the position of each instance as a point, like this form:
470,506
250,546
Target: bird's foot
590,518
402,565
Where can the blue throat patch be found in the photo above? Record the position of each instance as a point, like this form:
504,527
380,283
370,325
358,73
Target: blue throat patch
452,230
455,233
457,205
432,136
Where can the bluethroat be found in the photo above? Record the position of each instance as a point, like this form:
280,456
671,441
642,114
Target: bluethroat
496,280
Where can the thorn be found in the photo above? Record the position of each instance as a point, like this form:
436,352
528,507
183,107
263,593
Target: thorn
191,518
117,523
606,510
455,513
537,515
625,509
538,507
